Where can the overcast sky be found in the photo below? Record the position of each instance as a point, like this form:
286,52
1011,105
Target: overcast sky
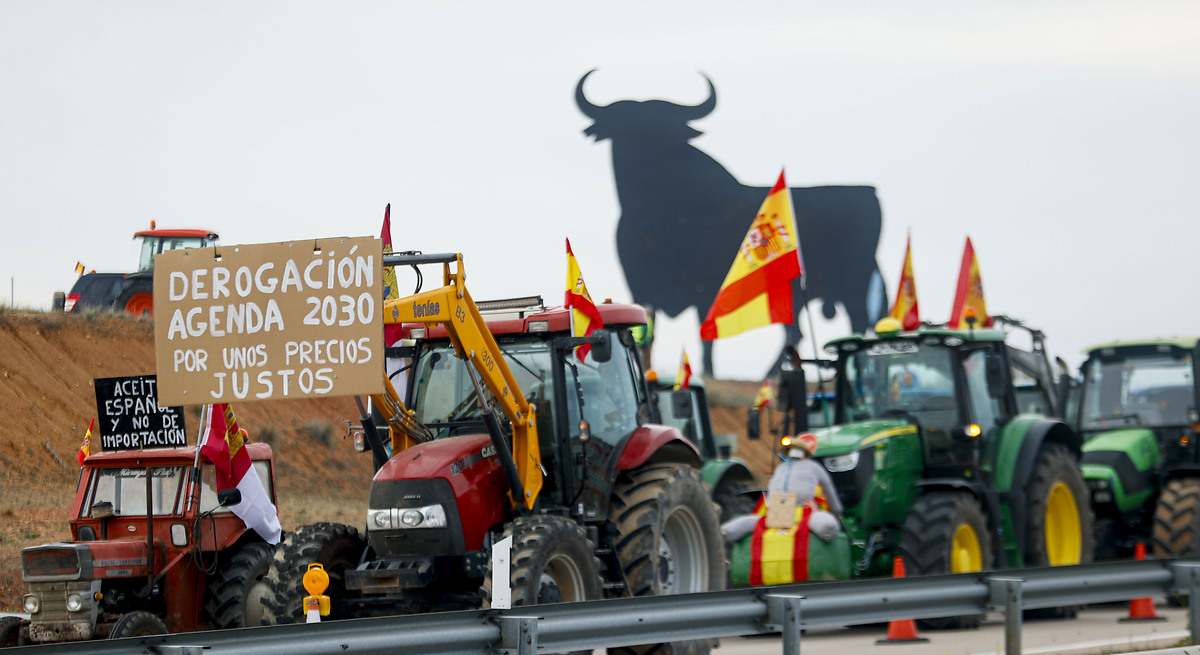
1062,136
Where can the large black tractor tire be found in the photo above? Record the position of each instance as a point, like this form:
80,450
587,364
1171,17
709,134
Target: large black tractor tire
552,561
336,547
735,498
10,631
236,592
137,624
1177,519
1057,472
934,531
668,540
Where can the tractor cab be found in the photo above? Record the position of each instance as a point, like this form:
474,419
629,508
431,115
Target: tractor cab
124,572
155,241
1137,412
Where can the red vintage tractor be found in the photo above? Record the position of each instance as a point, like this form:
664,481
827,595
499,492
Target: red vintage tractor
132,293
502,430
189,564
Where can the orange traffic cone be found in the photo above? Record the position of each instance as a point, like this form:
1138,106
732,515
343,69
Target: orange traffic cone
1141,609
901,631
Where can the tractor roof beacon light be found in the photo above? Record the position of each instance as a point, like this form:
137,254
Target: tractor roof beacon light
887,327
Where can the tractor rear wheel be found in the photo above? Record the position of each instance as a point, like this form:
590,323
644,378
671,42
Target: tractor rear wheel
1059,530
735,498
552,561
137,624
337,547
237,590
137,301
946,532
668,539
1177,519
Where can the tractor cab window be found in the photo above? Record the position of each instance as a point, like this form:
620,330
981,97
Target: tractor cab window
1151,390
688,426
986,407
444,398
898,379
152,246
609,389
208,486
125,488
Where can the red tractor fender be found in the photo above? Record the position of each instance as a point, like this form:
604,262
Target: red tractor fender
655,444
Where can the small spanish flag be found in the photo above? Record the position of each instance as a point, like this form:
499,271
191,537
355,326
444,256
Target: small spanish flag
85,448
683,379
585,318
79,267
905,308
969,304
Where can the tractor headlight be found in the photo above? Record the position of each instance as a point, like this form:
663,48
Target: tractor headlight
430,516
31,603
74,603
842,463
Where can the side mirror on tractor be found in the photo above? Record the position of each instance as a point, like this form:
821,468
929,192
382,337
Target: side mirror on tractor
229,497
753,419
601,342
681,404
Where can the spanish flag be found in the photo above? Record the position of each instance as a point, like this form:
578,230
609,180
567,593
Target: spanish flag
683,379
391,332
79,268
585,318
85,448
757,291
905,308
968,298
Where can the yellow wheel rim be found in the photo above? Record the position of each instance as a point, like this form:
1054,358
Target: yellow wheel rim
1064,543
965,554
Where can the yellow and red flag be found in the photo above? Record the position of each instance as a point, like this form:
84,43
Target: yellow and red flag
757,291
85,448
79,268
683,379
905,308
224,445
585,318
968,297
391,332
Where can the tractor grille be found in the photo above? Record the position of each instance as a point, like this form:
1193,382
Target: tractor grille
53,622
411,542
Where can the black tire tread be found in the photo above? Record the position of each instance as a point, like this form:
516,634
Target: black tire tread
137,624
925,542
532,535
228,587
1177,519
298,549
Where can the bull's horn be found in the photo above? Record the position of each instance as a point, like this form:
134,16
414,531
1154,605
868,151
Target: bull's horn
581,100
705,108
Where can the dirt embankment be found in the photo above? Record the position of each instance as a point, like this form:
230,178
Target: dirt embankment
47,363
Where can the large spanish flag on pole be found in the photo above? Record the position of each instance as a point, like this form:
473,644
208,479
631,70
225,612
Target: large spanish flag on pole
968,296
905,308
585,318
757,291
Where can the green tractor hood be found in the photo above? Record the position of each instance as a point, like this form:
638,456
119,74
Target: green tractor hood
849,437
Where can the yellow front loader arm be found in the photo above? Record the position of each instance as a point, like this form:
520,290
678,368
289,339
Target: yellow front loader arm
451,306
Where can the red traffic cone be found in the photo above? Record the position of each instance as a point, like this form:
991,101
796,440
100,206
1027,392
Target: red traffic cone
901,631
1141,609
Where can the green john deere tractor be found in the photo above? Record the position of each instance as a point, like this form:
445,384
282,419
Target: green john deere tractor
935,459
728,478
1137,412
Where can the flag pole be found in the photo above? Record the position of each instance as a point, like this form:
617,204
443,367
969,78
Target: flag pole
812,329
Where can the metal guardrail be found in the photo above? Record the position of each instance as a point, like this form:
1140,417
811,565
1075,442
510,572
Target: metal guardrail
630,621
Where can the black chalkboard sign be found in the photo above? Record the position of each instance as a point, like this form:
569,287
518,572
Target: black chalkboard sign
130,418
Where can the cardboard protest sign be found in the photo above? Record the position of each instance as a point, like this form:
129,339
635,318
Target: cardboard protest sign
131,418
781,509
299,319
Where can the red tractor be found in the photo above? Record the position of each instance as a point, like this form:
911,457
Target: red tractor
190,564
501,430
131,292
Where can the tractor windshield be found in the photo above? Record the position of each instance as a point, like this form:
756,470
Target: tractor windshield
444,398
125,488
151,246
897,379
1152,390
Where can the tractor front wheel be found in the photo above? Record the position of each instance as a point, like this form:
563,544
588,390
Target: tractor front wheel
335,546
1177,519
946,532
1059,530
668,539
237,590
552,561
10,631
137,624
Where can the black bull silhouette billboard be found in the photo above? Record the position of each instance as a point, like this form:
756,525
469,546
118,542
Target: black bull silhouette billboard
683,216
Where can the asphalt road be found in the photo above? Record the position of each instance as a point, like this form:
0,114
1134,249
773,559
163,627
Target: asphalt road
1094,631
